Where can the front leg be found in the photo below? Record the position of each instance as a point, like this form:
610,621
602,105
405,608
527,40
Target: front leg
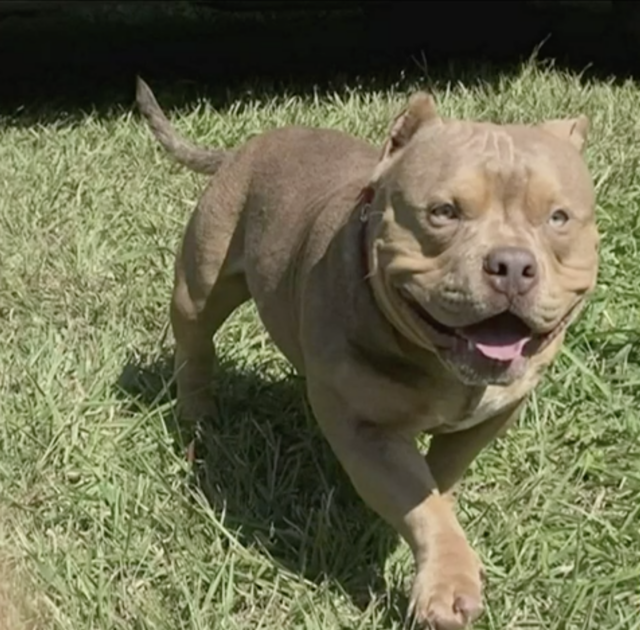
450,454
392,477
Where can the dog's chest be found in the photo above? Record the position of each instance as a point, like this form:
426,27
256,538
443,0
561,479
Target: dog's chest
424,404
492,402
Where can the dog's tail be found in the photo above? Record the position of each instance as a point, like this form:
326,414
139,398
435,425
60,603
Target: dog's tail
199,159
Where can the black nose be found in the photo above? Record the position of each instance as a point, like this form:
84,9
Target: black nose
511,270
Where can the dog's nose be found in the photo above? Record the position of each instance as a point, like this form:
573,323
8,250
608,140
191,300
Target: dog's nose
511,270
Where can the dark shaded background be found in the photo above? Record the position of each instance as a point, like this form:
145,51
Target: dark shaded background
82,55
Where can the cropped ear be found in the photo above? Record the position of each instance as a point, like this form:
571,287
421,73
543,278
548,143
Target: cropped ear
574,130
420,110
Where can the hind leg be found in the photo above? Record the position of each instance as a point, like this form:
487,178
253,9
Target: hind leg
194,326
209,285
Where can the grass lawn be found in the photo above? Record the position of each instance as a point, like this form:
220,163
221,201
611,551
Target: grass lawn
104,526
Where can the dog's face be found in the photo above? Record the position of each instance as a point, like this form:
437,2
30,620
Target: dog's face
486,243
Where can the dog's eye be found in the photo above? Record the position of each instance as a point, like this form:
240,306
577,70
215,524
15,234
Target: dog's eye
558,218
443,213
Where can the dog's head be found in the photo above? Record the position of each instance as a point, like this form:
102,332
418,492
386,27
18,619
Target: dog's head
485,243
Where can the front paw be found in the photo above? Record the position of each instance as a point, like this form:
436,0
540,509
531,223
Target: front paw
447,590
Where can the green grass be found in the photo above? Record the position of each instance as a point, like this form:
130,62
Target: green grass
104,524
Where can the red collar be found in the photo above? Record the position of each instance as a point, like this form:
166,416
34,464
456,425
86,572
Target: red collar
364,203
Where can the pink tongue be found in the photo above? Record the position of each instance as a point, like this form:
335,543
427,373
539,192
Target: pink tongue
502,353
501,338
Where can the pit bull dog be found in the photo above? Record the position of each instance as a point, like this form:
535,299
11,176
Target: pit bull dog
420,288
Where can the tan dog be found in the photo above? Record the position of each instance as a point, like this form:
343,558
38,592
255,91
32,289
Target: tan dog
421,289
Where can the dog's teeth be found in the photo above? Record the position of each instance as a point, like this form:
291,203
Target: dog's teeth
469,344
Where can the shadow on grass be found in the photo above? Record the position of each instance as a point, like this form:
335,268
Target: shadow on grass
57,65
66,63
267,466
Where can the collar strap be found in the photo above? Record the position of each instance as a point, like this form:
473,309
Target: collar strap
365,198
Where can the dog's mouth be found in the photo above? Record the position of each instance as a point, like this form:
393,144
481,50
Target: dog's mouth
502,338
